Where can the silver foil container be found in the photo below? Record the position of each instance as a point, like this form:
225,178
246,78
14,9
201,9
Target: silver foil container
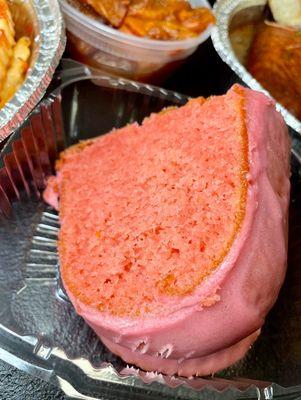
42,18
40,332
231,13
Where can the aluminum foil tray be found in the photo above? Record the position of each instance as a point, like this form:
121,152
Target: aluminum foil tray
235,12
40,332
42,18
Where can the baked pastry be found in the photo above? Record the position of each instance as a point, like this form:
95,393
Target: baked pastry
275,61
286,12
173,236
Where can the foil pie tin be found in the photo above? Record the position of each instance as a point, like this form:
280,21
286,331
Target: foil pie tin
42,18
231,13
40,332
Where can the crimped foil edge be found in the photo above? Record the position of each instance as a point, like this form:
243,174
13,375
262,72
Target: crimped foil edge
224,10
51,44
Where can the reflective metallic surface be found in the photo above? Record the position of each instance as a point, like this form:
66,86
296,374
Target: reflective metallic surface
44,20
226,12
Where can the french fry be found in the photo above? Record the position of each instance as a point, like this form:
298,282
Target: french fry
13,56
6,22
16,71
5,56
7,40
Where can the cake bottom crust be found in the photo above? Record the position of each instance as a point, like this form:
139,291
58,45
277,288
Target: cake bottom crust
188,367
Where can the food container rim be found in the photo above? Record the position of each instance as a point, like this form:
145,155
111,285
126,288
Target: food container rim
224,10
116,35
50,42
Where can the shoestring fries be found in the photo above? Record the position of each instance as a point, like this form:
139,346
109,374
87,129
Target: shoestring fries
14,56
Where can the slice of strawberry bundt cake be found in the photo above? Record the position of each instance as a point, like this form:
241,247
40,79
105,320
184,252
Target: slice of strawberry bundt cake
173,234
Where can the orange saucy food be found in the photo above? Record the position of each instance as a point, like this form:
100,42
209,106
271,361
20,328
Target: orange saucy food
155,19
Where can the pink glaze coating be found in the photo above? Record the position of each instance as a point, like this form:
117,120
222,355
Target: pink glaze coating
198,339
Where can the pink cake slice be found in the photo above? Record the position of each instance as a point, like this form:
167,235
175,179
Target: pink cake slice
173,238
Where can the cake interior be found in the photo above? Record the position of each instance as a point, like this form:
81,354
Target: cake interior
148,212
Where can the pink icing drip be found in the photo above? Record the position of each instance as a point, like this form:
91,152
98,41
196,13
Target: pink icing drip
51,193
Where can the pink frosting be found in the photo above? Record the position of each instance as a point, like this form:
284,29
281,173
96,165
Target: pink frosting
214,326
51,193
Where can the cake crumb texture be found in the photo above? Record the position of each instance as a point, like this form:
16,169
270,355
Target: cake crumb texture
150,211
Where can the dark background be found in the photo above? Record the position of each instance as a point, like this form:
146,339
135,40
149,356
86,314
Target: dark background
202,74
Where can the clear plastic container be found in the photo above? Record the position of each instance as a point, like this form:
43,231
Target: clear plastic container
40,332
108,49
